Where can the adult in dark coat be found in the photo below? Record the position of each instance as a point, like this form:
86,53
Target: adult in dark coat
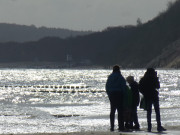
115,87
148,86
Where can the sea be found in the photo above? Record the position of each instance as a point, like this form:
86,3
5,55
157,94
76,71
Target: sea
73,100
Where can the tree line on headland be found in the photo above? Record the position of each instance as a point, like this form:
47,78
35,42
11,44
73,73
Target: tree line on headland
23,33
155,43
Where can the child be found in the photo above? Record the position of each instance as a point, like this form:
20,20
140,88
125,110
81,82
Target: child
135,101
128,108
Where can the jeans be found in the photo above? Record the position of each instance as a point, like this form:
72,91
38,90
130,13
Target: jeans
149,104
135,116
116,102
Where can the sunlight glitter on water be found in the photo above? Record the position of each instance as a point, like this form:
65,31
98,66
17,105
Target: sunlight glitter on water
32,100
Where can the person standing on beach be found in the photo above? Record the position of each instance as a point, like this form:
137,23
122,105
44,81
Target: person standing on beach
135,101
148,86
115,87
127,108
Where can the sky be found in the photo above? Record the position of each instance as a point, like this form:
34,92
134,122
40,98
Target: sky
94,15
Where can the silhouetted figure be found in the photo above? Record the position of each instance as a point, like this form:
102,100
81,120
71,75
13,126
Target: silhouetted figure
148,87
128,108
115,87
135,101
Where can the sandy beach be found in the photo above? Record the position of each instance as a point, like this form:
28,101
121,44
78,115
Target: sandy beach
170,132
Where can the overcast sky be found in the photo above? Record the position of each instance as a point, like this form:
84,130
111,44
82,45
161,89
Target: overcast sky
79,14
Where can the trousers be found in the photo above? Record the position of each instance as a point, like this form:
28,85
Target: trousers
149,103
116,103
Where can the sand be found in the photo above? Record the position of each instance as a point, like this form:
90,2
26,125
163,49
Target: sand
169,132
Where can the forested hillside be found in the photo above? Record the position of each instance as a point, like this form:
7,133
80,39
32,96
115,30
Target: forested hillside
23,33
129,46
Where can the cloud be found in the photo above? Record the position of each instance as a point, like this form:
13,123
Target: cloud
79,14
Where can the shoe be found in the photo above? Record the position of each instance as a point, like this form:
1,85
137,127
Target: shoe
111,129
128,126
160,129
136,127
121,129
149,129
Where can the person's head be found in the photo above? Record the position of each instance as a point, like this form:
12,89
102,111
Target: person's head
151,72
116,68
130,79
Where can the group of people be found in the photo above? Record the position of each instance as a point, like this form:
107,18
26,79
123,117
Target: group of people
124,96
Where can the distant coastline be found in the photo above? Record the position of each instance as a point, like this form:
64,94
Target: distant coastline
48,65
62,65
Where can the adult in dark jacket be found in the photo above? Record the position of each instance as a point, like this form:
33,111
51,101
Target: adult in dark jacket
115,86
135,101
148,87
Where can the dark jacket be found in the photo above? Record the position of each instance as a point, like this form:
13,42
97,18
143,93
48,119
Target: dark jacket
115,83
135,93
148,86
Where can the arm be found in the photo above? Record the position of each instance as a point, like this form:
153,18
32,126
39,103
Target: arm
157,83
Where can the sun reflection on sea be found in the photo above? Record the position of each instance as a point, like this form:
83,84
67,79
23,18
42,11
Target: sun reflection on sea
64,100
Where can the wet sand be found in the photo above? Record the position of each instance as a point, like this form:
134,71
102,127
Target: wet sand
169,132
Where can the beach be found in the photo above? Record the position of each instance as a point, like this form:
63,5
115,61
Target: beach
169,132
58,102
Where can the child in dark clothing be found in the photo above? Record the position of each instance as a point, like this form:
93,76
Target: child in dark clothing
135,101
128,108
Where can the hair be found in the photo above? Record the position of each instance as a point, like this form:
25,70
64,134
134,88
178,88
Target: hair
150,72
130,78
116,68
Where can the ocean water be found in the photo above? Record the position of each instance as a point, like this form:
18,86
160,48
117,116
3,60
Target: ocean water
64,100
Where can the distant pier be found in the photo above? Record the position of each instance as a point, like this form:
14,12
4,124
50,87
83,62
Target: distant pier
56,88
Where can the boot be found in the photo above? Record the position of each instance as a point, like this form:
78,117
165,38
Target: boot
136,127
149,127
161,129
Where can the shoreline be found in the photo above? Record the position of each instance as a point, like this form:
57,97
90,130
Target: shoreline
169,132
63,65
47,65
